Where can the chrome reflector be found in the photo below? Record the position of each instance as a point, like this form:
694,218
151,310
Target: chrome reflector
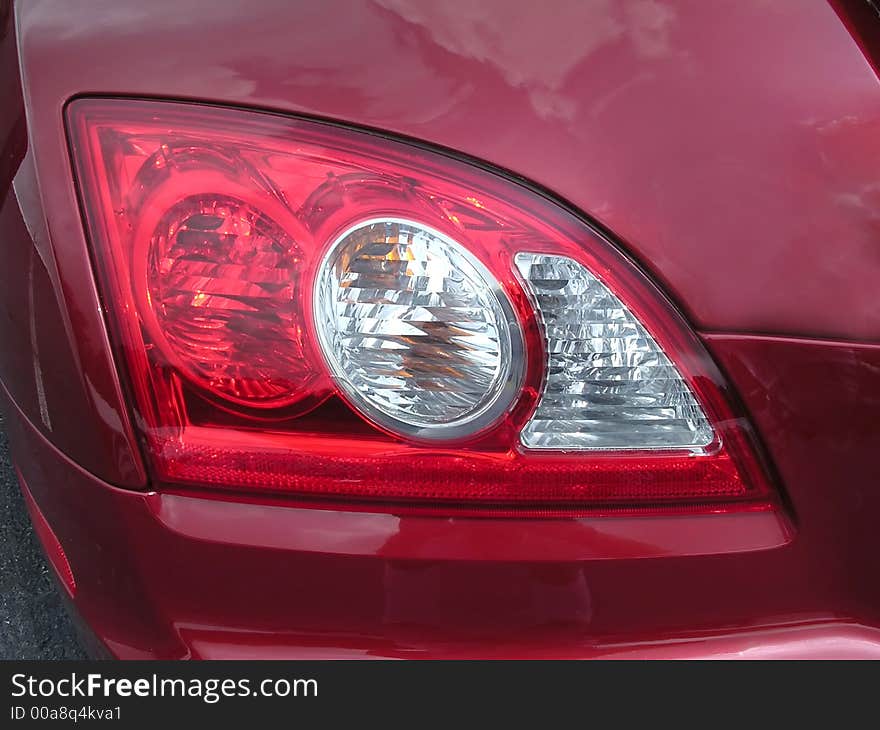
417,332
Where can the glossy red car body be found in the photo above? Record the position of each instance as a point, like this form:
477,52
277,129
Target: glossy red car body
731,148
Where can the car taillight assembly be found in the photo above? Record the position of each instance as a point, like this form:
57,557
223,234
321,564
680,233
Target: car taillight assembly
329,313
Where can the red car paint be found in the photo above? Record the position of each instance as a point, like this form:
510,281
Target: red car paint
735,162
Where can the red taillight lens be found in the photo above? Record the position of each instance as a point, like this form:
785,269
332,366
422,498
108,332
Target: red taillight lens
311,309
218,297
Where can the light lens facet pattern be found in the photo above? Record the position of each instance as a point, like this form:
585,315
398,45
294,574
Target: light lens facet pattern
608,385
221,280
417,331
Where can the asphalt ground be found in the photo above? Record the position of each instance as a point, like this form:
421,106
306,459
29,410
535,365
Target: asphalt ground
33,620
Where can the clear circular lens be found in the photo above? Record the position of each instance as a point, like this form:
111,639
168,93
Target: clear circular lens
417,332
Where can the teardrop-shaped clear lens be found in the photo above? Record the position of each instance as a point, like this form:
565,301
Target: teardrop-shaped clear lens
609,385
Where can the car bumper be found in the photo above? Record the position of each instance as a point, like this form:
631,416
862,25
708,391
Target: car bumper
190,576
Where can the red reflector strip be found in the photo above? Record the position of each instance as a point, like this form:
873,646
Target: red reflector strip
512,479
